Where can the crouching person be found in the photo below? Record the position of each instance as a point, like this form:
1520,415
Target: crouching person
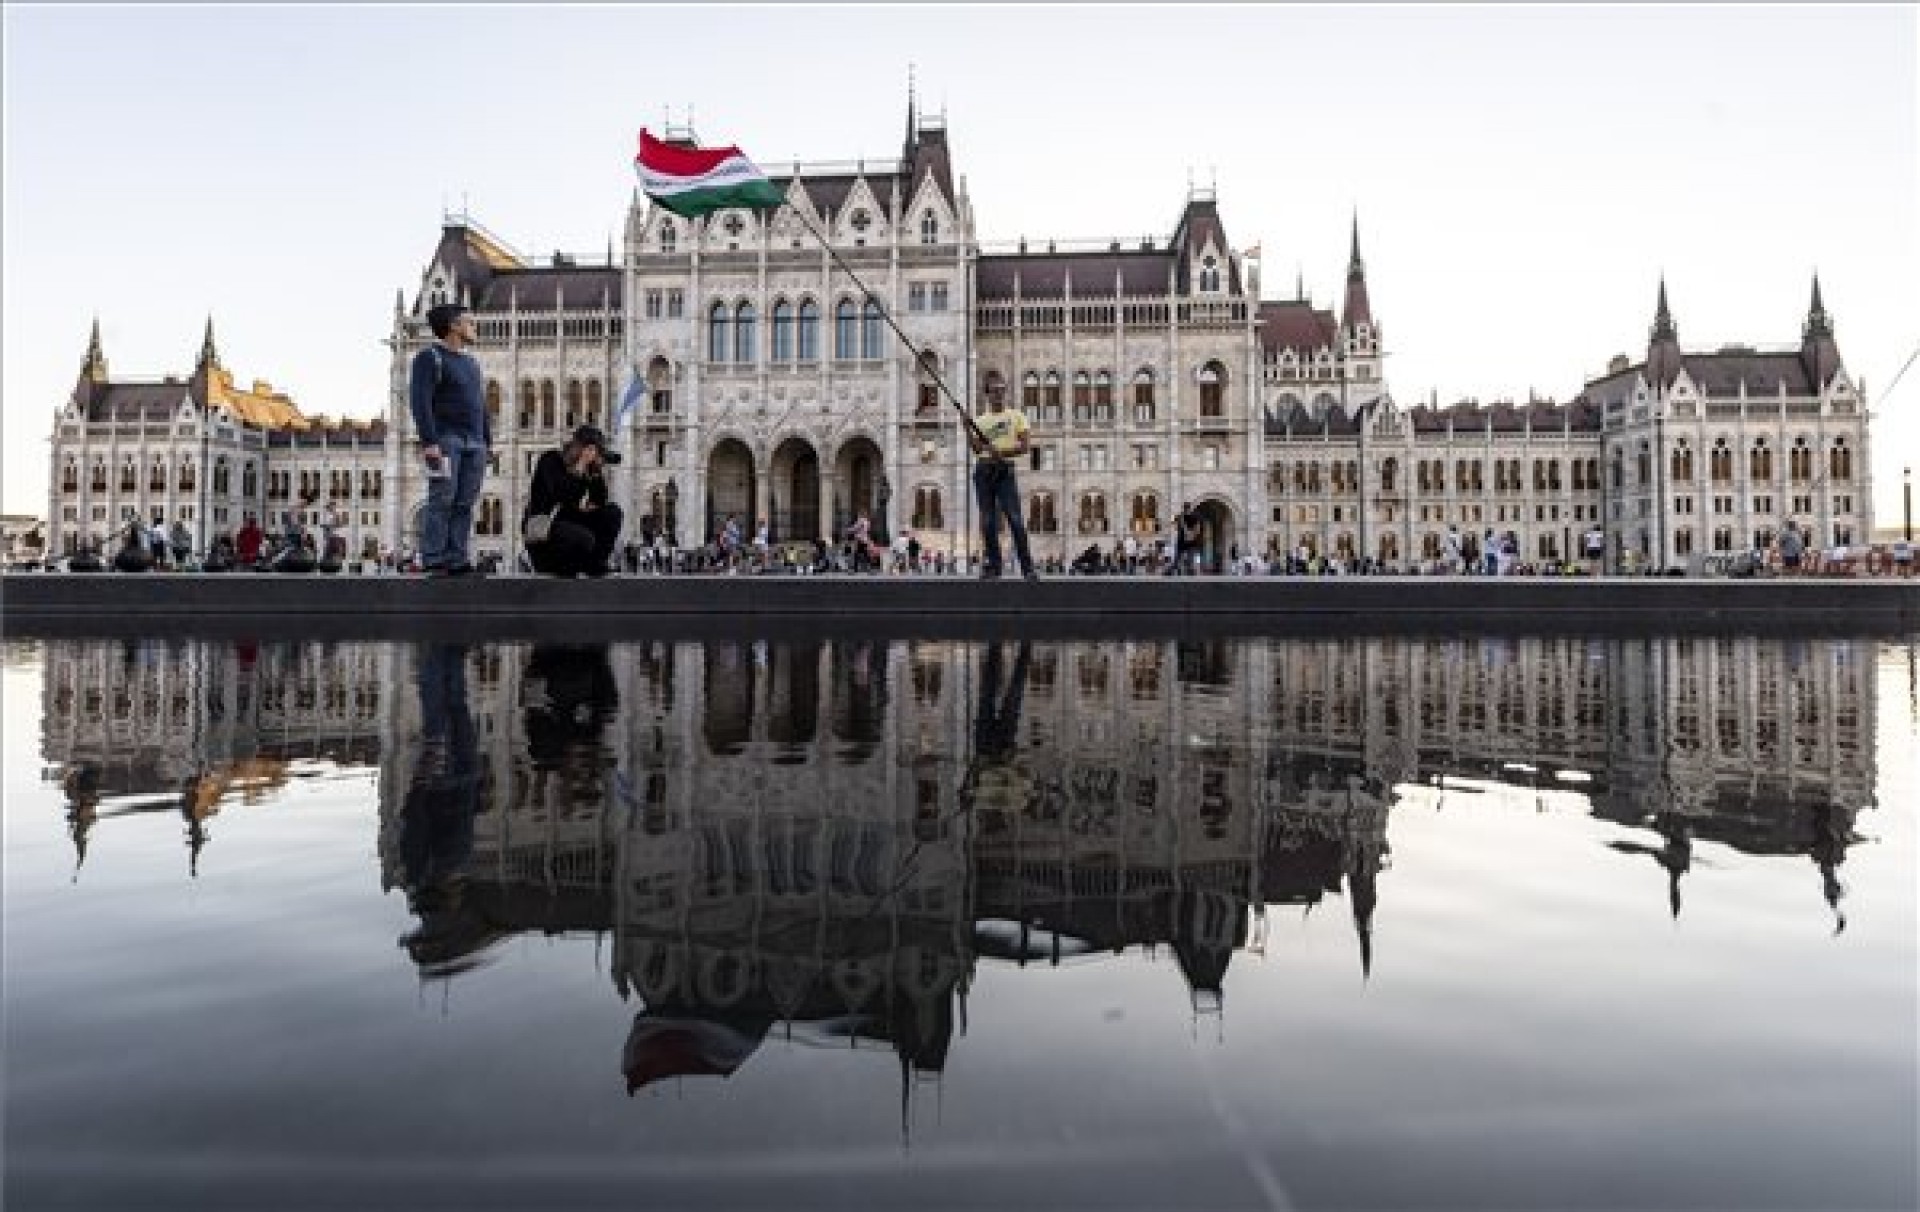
570,527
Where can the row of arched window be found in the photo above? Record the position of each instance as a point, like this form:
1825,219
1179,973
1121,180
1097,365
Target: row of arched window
733,333
157,477
1092,517
1043,394
1760,461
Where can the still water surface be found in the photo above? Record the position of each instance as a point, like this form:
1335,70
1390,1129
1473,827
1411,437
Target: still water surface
1463,922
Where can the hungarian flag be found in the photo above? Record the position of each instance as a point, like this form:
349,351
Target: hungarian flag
697,181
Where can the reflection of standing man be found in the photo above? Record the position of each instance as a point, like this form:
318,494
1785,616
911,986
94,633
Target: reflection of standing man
994,783
436,823
447,394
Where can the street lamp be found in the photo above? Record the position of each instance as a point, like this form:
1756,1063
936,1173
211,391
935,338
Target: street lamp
1906,500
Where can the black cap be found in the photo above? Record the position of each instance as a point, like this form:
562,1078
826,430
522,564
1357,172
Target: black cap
590,435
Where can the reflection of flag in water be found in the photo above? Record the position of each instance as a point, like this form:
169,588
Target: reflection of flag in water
629,401
688,1047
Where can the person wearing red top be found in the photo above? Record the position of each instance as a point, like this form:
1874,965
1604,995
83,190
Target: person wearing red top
248,543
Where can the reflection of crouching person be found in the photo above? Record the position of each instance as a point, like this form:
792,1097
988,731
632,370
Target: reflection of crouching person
570,490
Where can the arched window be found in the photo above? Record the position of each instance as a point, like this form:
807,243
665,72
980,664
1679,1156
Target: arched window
809,334
157,482
929,229
1721,461
1643,464
870,347
1051,388
1041,517
1102,396
1680,466
928,387
99,482
1030,395
1760,461
546,403
1082,397
186,475
528,401
1800,461
1143,396
717,333
129,476
668,236
594,400
846,331
1389,474
782,331
1840,460
70,475
1144,516
660,387
1213,381
220,474
928,513
1093,513
493,404
576,403
1209,276
744,323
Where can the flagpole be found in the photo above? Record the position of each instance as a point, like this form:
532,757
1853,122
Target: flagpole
886,314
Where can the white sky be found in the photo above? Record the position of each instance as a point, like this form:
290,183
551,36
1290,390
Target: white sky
1523,176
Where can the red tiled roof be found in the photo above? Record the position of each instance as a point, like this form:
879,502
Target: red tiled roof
1045,275
1296,325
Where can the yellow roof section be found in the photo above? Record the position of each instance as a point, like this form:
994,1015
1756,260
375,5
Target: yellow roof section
491,251
260,406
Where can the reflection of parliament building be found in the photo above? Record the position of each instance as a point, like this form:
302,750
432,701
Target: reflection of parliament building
824,838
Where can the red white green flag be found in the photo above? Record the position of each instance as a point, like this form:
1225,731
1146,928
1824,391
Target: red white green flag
695,181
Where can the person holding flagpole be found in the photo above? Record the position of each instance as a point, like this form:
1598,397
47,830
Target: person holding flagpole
1000,435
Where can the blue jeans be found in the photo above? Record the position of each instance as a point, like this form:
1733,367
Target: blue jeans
997,492
447,523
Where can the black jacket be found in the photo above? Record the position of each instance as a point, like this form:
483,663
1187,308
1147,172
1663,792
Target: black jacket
554,485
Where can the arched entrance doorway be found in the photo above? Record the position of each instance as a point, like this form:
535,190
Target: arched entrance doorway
860,486
729,488
794,506
1216,534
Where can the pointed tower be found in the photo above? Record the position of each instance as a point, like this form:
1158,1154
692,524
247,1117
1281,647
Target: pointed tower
94,367
1818,350
1663,345
206,369
1357,309
92,383
209,352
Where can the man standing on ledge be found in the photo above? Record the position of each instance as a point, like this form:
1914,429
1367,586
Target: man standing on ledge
1007,438
446,392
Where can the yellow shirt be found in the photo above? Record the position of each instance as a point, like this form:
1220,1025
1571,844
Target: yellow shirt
1003,430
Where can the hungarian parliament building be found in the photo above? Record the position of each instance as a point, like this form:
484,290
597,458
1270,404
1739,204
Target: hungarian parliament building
1154,372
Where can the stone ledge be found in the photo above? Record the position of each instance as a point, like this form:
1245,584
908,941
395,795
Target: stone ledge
105,603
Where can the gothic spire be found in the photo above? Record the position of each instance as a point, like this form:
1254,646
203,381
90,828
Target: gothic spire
1663,344
209,353
94,367
1663,329
1819,323
1357,309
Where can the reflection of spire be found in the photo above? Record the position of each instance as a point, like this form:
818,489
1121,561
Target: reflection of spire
1831,833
